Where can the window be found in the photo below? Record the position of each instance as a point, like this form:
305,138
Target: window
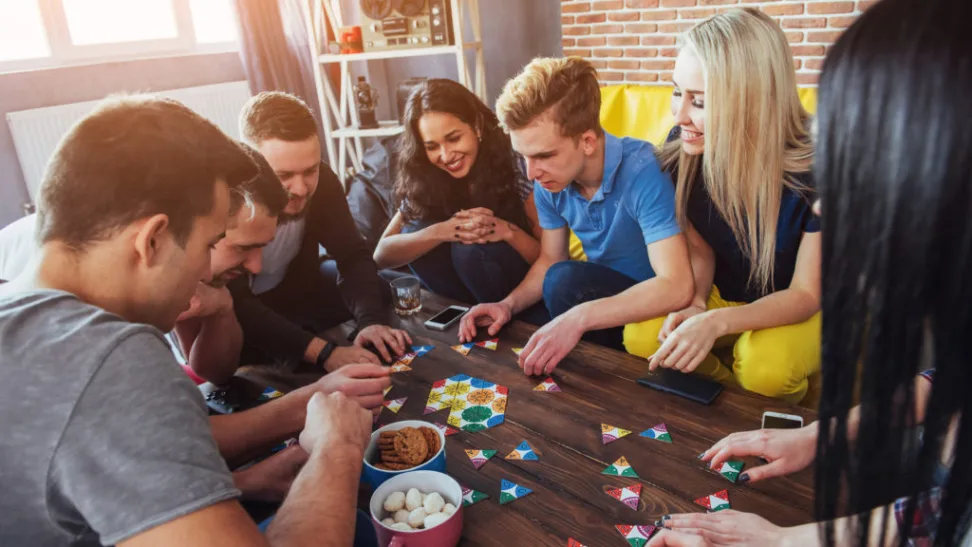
47,33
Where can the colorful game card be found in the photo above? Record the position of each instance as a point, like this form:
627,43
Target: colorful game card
548,385
523,452
637,536
394,405
731,470
489,344
420,351
470,496
517,351
715,502
269,394
659,433
629,495
464,348
479,457
446,430
610,433
510,491
620,468
474,404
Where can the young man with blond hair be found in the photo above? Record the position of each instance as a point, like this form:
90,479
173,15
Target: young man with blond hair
292,290
611,193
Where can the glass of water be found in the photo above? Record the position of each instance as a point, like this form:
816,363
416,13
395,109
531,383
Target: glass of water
408,295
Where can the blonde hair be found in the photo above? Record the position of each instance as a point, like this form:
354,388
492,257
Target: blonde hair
756,131
567,87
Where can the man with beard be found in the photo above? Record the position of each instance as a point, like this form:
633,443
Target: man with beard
292,291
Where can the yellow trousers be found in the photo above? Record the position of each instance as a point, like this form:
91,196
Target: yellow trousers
778,362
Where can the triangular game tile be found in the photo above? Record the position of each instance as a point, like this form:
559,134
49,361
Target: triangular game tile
523,452
419,351
510,491
479,457
659,433
400,367
269,394
629,495
715,502
637,536
489,344
386,390
464,348
571,542
395,404
518,351
470,496
446,430
620,468
548,385
610,433
731,470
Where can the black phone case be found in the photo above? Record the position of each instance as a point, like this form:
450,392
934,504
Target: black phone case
678,383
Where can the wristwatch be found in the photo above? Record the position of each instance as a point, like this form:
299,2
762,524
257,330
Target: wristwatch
325,353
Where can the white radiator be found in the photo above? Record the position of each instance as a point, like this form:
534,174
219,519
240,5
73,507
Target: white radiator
36,132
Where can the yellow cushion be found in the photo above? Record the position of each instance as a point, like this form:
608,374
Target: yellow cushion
645,112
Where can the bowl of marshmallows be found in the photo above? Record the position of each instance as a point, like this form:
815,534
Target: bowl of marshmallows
418,508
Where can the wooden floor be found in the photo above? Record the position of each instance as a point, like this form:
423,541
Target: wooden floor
569,498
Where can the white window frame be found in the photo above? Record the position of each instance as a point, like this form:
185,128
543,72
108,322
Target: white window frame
64,53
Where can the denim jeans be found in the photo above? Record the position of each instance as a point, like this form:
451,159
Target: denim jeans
474,273
570,283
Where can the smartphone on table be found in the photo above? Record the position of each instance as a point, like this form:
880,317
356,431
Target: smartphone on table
685,385
779,420
446,318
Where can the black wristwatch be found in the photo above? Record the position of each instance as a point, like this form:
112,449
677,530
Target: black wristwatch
325,354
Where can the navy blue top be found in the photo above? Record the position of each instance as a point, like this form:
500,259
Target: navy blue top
731,265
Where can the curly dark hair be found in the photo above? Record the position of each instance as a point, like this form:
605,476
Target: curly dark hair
426,192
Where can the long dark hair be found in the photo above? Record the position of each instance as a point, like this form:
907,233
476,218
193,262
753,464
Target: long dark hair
894,165
429,193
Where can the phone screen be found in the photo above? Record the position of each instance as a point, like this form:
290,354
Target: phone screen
776,422
446,315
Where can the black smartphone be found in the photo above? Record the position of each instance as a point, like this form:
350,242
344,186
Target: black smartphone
689,386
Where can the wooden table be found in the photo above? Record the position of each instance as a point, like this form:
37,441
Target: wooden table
569,498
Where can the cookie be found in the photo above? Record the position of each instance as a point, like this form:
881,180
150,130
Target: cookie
432,438
391,457
411,445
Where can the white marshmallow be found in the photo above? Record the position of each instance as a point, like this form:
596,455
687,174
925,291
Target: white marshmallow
417,517
388,521
401,516
433,503
413,499
395,501
435,519
448,509
402,527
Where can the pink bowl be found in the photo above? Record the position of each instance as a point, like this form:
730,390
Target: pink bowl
446,534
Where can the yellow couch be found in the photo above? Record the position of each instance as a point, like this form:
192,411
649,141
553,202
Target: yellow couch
645,112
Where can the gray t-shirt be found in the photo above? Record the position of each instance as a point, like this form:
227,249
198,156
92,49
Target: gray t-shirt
103,434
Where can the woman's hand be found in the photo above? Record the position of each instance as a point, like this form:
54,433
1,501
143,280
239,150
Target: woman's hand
462,229
786,450
688,344
721,528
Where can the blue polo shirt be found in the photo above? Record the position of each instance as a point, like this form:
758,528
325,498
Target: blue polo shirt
634,207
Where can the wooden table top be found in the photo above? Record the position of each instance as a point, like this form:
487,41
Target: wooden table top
569,498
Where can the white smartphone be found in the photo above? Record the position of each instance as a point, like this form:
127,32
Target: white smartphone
445,318
778,420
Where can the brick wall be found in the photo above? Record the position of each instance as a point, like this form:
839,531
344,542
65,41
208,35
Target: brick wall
633,41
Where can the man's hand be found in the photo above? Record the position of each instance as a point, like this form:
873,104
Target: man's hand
343,356
722,528
335,422
688,344
270,479
362,383
550,344
207,300
786,450
493,315
384,338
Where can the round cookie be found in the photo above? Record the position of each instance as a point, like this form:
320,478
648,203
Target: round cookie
411,445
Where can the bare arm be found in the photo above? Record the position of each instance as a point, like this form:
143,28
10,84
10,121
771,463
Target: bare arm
671,289
397,249
703,266
786,307
525,243
224,524
210,335
244,435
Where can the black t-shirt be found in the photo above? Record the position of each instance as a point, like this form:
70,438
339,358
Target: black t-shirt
731,265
